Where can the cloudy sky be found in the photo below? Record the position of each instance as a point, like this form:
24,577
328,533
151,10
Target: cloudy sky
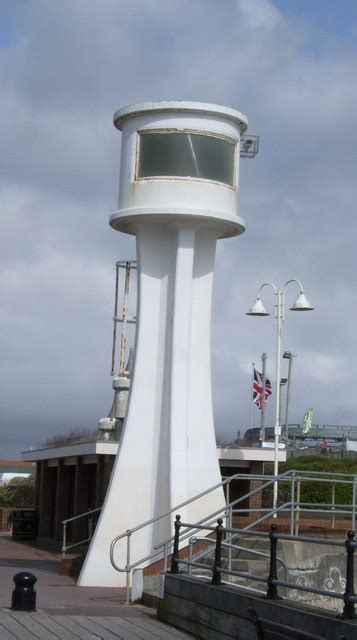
290,66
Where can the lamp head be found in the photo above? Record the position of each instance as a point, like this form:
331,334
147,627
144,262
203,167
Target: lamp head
257,309
301,303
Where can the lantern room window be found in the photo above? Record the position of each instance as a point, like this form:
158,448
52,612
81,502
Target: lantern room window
184,154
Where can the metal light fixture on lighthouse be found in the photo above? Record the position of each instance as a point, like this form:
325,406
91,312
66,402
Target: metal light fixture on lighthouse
178,194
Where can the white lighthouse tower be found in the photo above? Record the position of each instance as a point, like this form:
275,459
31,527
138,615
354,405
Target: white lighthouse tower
178,194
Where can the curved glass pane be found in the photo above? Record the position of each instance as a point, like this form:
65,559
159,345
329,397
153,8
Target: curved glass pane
187,155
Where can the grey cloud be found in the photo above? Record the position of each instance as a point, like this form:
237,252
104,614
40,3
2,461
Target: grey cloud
69,67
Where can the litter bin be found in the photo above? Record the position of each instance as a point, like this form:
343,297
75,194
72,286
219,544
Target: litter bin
24,524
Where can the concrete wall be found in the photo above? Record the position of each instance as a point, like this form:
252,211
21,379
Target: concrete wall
223,613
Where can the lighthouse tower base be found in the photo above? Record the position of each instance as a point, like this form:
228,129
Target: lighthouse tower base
168,452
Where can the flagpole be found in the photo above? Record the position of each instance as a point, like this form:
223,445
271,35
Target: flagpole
251,396
262,414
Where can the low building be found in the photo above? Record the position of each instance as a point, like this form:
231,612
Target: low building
73,479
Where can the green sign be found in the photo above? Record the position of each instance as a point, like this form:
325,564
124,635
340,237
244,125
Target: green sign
307,423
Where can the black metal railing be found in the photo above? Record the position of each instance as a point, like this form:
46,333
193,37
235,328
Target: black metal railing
271,580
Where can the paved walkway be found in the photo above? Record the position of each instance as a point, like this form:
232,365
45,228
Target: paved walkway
65,611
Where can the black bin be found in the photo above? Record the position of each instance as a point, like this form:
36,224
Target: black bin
24,524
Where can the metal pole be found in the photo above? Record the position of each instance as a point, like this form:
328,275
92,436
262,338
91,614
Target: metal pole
279,316
115,317
333,505
165,557
349,608
251,397
272,591
175,552
297,507
281,401
128,565
216,574
292,506
190,555
262,411
290,368
64,541
124,320
354,504
230,526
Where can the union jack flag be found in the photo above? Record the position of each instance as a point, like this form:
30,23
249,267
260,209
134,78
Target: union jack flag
258,388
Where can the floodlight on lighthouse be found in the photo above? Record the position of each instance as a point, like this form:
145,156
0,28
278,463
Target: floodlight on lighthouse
249,146
178,194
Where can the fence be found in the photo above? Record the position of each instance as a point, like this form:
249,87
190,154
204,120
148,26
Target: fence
271,580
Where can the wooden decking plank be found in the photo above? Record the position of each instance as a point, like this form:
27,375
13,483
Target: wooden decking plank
155,632
175,633
134,625
118,627
53,627
16,628
129,624
5,634
75,628
32,625
159,630
91,625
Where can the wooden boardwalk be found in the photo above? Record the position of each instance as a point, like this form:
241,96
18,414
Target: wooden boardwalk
41,626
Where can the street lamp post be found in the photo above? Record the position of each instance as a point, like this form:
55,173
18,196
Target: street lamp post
283,382
289,356
301,304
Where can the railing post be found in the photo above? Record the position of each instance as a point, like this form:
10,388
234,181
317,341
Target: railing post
175,552
216,573
230,526
90,527
64,540
297,518
191,542
272,591
128,535
354,504
165,557
292,504
349,608
333,500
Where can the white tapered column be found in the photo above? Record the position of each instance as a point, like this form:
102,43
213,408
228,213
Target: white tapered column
168,453
180,365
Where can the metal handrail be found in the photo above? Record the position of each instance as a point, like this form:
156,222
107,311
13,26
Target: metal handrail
294,476
184,504
82,515
166,544
214,515
66,546
254,552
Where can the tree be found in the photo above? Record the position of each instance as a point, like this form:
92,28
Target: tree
73,436
19,492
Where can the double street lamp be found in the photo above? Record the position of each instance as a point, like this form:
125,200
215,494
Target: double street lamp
301,304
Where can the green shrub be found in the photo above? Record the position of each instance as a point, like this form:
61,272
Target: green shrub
316,492
19,492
